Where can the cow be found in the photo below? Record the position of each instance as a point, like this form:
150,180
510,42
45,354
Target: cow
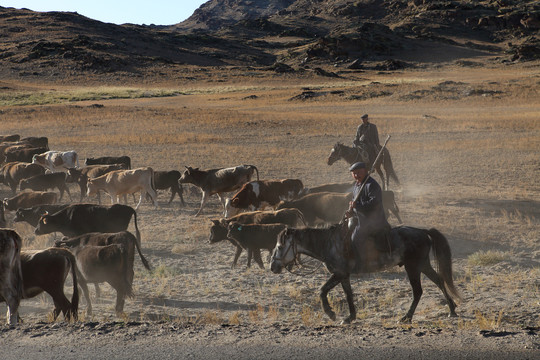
23,155
81,176
33,214
169,180
102,239
218,231
257,195
325,206
218,181
45,182
112,264
110,160
41,141
47,270
388,198
336,187
78,219
28,199
120,182
57,160
11,280
10,138
254,237
2,217
12,173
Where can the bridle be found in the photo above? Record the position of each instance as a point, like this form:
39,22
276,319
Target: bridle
292,246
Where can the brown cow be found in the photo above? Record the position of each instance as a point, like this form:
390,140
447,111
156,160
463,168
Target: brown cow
11,280
42,141
23,155
257,195
47,270
110,160
254,237
28,199
218,231
326,206
218,181
120,182
45,182
12,173
112,264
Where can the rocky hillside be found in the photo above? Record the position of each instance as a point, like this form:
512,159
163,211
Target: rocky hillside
293,33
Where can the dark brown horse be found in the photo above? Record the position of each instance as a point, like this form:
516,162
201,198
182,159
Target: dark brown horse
410,248
355,154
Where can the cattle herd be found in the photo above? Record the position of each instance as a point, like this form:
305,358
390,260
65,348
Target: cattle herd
97,247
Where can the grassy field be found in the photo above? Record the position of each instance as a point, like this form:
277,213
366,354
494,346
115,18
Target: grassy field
465,143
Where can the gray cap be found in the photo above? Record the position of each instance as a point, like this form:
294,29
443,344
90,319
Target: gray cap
364,116
358,165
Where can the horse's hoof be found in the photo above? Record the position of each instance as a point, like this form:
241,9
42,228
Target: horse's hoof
331,315
405,320
453,315
346,321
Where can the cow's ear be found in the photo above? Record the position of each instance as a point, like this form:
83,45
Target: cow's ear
44,220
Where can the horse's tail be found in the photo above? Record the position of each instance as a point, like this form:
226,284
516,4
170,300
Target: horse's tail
443,256
389,167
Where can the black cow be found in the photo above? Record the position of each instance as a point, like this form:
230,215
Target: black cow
41,141
14,137
169,180
33,214
78,219
44,182
110,160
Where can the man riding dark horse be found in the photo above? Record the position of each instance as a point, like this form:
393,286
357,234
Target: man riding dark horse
366,214
367,134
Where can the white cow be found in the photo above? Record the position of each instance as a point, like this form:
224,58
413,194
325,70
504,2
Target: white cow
57,160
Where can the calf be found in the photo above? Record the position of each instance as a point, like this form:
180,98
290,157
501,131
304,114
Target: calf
169,180
112,264
28,199
11,280
110,160
57,160
218,231
33,214
81,176
121,182
218,181
259,194
47,270
326,206
102,239
44,182
254,237
12,173
78,219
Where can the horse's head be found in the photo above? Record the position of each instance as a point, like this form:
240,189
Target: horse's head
285,251
335,154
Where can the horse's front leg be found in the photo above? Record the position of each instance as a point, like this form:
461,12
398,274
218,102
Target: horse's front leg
329,285
381,174
346,284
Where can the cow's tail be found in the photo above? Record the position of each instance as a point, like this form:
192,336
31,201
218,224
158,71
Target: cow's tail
75,296
137,232
143,259
443,256
256,170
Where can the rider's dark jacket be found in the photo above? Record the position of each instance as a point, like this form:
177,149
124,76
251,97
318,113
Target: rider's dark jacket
369,209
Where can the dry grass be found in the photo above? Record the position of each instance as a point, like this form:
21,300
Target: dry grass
468,166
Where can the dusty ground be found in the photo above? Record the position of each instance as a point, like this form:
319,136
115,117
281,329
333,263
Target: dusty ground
465,145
